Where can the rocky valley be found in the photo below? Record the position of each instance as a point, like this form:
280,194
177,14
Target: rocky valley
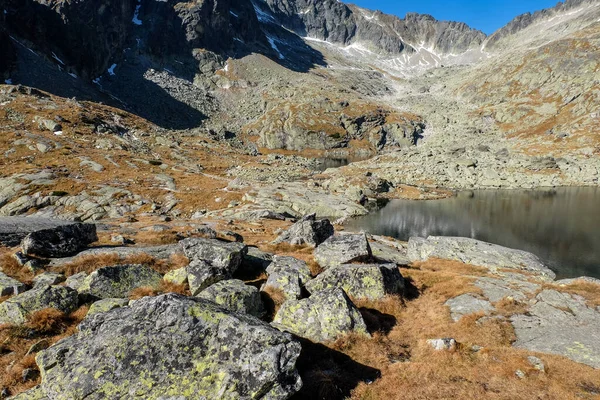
177,177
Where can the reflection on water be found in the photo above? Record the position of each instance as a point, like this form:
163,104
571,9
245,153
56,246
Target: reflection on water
561,226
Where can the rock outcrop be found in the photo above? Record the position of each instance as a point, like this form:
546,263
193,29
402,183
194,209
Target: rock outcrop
323,317
118,281
475,252
307,230
14,229
171,346
16,309
235,296
62,241
360,281
343,249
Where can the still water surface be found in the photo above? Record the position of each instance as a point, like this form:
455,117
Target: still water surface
560,226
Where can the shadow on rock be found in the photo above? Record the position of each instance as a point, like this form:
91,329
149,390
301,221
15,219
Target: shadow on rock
329,374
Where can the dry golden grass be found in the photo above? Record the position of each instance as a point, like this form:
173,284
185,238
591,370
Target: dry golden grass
315,268
590,291
48,326
90,263
508,306
272,298
10,266
161,288
157,238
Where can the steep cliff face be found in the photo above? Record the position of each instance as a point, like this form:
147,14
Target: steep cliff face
7,54
88,36
338,23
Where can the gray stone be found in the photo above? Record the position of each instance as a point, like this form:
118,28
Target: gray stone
387,251
536,363
447,344
467,304
201,275
118,281
343,249
560,323
48,278
235,296
10,286
61,241
171,346
14,229
361,281
289,275
475,252
307,230
228,255
507,287
75,281
16,309
105,305
323,317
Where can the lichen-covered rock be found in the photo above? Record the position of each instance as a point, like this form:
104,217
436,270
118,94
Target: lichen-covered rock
227,255
289,275
307,230
476,252
16,309
202,274
61,241
10,286
174,347
235,296
105,305
323,317
48,278
368,281
343,249
177,276
118,281
14,229
75,281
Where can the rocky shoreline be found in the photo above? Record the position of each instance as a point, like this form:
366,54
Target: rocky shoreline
234,331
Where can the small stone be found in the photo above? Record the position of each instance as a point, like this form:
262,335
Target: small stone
105,305
48,278
536,363
520,374
447,344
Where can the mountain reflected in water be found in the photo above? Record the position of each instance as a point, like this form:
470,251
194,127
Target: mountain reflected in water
560,226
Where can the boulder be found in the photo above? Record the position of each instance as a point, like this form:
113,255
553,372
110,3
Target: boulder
361,281
62,241
171,347
105,305
289,275
256,261
387,251
10,286
476,252
235,296
228,255
466,304
48,278
16,309
323,317
307,230
343,249
75,281
14,229
118,281
202,274
560,323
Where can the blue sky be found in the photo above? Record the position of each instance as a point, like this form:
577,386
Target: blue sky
485,15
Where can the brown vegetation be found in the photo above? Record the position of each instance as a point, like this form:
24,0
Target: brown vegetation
10,266
92,262
19,345
273,298
163,287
